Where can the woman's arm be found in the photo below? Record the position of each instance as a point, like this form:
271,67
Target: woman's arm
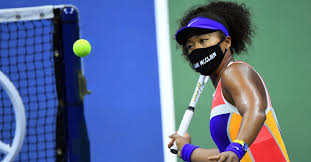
199,154
247,92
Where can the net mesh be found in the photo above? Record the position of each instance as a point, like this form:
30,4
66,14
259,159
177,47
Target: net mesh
26,57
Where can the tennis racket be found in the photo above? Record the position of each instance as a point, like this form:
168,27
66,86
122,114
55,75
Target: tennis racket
183,127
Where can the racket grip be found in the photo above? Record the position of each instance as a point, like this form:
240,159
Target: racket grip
183,127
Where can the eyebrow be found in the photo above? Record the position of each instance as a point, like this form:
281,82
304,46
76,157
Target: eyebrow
205,35
188,41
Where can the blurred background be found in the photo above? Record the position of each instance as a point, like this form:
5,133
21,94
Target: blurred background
123,113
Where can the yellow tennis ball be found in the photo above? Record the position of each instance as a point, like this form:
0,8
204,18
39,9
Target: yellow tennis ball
81,48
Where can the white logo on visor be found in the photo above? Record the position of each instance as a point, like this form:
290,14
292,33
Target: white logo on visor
192,22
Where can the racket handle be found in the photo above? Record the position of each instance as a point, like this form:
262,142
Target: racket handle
174,149
183,127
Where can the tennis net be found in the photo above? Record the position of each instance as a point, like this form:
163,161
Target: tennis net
32,56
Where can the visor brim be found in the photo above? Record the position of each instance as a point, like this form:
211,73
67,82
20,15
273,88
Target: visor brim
185,33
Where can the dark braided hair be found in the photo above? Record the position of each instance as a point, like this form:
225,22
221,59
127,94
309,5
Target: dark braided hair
235,17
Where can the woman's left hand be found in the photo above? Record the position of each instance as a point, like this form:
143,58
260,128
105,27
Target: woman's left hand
227,156
180,141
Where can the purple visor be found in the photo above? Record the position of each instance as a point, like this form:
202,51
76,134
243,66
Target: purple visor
201,23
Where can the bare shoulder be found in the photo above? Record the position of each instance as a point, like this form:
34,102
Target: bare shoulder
238,71
241,75
244,86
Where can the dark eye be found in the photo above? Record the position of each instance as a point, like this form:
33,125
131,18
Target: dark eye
189,47
203,40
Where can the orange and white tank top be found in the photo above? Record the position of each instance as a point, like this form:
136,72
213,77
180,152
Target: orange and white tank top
225,121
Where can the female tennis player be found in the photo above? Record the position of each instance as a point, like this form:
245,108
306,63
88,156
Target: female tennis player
243,124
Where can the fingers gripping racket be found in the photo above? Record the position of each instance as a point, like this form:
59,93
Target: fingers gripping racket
183,127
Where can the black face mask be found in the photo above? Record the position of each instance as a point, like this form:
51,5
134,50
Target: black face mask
206,60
